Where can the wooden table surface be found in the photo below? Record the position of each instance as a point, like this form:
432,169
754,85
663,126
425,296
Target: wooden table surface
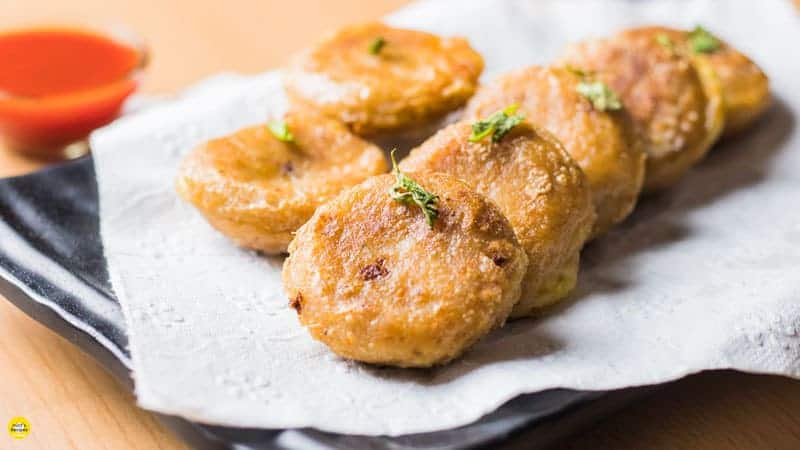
72,402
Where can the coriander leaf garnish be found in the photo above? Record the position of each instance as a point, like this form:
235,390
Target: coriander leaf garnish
665,41
281,131
702,41
377,45
578,71
601,96
497,125
408,191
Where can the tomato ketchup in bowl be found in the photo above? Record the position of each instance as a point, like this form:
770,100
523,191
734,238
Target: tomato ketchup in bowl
57,84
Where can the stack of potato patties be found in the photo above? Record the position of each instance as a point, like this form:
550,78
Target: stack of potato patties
483,221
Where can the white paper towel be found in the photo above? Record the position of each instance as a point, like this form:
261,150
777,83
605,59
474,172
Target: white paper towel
706,276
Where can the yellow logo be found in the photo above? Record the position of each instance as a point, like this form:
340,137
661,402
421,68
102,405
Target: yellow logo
19,428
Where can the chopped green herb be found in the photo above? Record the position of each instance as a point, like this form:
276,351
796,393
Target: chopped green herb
377,45
601,96
702,41
408,191
497,125
665,41
578,71
281,131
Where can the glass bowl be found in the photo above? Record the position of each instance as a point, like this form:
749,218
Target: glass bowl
44,125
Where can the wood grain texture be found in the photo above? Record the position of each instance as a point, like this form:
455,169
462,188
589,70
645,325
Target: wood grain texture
73,403
711,411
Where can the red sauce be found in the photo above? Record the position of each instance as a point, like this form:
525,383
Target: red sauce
58,84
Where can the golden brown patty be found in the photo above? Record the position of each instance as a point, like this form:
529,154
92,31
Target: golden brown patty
745,88
536,184
676,101
373,281
413,78
744,85
258,190
603,143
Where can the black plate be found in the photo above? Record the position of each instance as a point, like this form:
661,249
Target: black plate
52,267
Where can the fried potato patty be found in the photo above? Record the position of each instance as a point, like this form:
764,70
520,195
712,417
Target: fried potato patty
374,282
536,184
676,100
379,79
258,190
745,88
603,143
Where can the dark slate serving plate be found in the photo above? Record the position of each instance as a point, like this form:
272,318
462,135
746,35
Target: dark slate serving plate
52,267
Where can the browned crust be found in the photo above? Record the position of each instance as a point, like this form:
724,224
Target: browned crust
415,79
258,190
381,286
539,188
605,144
678,109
